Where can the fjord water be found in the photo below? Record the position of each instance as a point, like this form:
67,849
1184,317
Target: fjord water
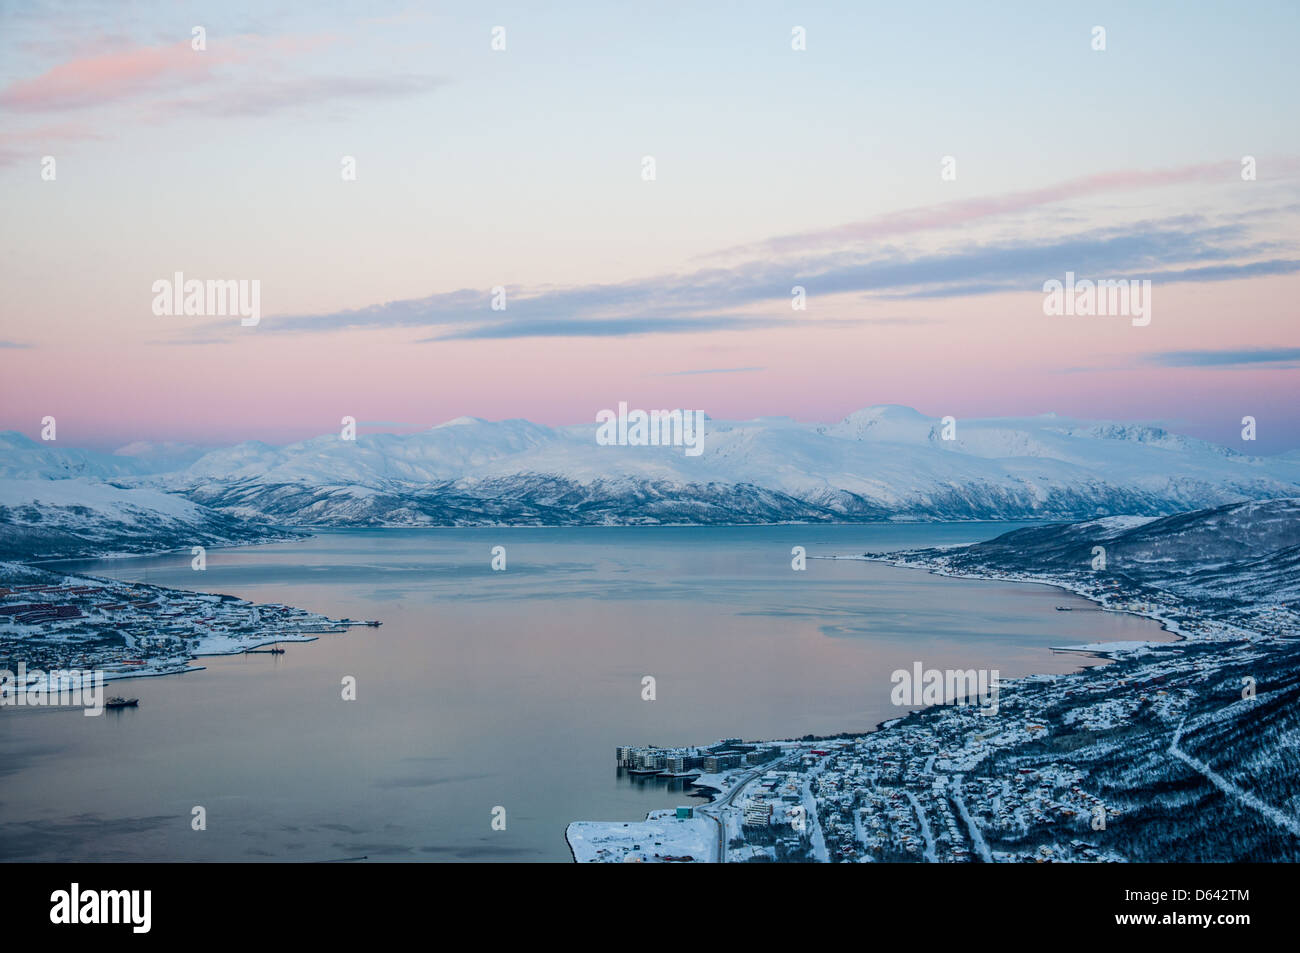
512,689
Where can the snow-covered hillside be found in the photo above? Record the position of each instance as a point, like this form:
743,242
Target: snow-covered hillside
881,462
48,519
24,458
884,462
1244,552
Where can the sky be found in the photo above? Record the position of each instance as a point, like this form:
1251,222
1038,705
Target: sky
829,168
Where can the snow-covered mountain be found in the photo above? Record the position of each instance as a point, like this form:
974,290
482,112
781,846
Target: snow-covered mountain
878,463
1242,552
24,458
884,462
52,519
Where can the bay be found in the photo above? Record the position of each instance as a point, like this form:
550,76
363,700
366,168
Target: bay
487,689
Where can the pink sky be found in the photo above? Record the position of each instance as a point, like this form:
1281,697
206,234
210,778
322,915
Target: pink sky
522,170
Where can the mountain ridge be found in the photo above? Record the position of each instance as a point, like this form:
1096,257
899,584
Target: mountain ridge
880,462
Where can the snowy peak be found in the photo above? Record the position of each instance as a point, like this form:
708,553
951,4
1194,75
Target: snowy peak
24,458
880,462
1151,436
438,454
13,440
891,423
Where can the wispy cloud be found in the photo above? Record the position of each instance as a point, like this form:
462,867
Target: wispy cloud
1249,357
712,370
265,98
188,342
967,211
111,76
30,144
607,327
234,77
757,294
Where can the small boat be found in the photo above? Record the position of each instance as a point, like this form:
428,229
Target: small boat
1065,608
273,650
117,701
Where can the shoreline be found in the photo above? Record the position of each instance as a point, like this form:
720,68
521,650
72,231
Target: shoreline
1107,693
76,622
1097,649
308,530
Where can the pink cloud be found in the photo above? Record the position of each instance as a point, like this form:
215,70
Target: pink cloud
106,77
952,214
176,80
28,143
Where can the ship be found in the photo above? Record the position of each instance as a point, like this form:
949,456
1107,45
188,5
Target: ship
117,701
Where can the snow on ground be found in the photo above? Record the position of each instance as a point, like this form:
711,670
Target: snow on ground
1130,648
716,783
107,500
819,850
660,836
233,644
1111,713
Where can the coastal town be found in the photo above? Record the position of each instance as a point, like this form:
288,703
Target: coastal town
1189,618
51,622
1089,766
945,784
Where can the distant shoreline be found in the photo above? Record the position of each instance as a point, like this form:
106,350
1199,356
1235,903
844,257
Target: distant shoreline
1097,649
184,625
1043,691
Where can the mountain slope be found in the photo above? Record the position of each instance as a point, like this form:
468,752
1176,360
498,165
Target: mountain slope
53,519
26,459
881,462
1246,552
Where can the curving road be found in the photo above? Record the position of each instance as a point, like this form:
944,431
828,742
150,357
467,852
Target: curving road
727,799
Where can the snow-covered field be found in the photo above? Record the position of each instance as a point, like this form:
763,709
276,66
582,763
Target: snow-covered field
658,838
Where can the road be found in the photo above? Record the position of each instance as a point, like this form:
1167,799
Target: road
727,799
1274,815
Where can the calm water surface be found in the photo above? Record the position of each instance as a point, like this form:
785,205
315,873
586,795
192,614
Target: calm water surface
506,688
